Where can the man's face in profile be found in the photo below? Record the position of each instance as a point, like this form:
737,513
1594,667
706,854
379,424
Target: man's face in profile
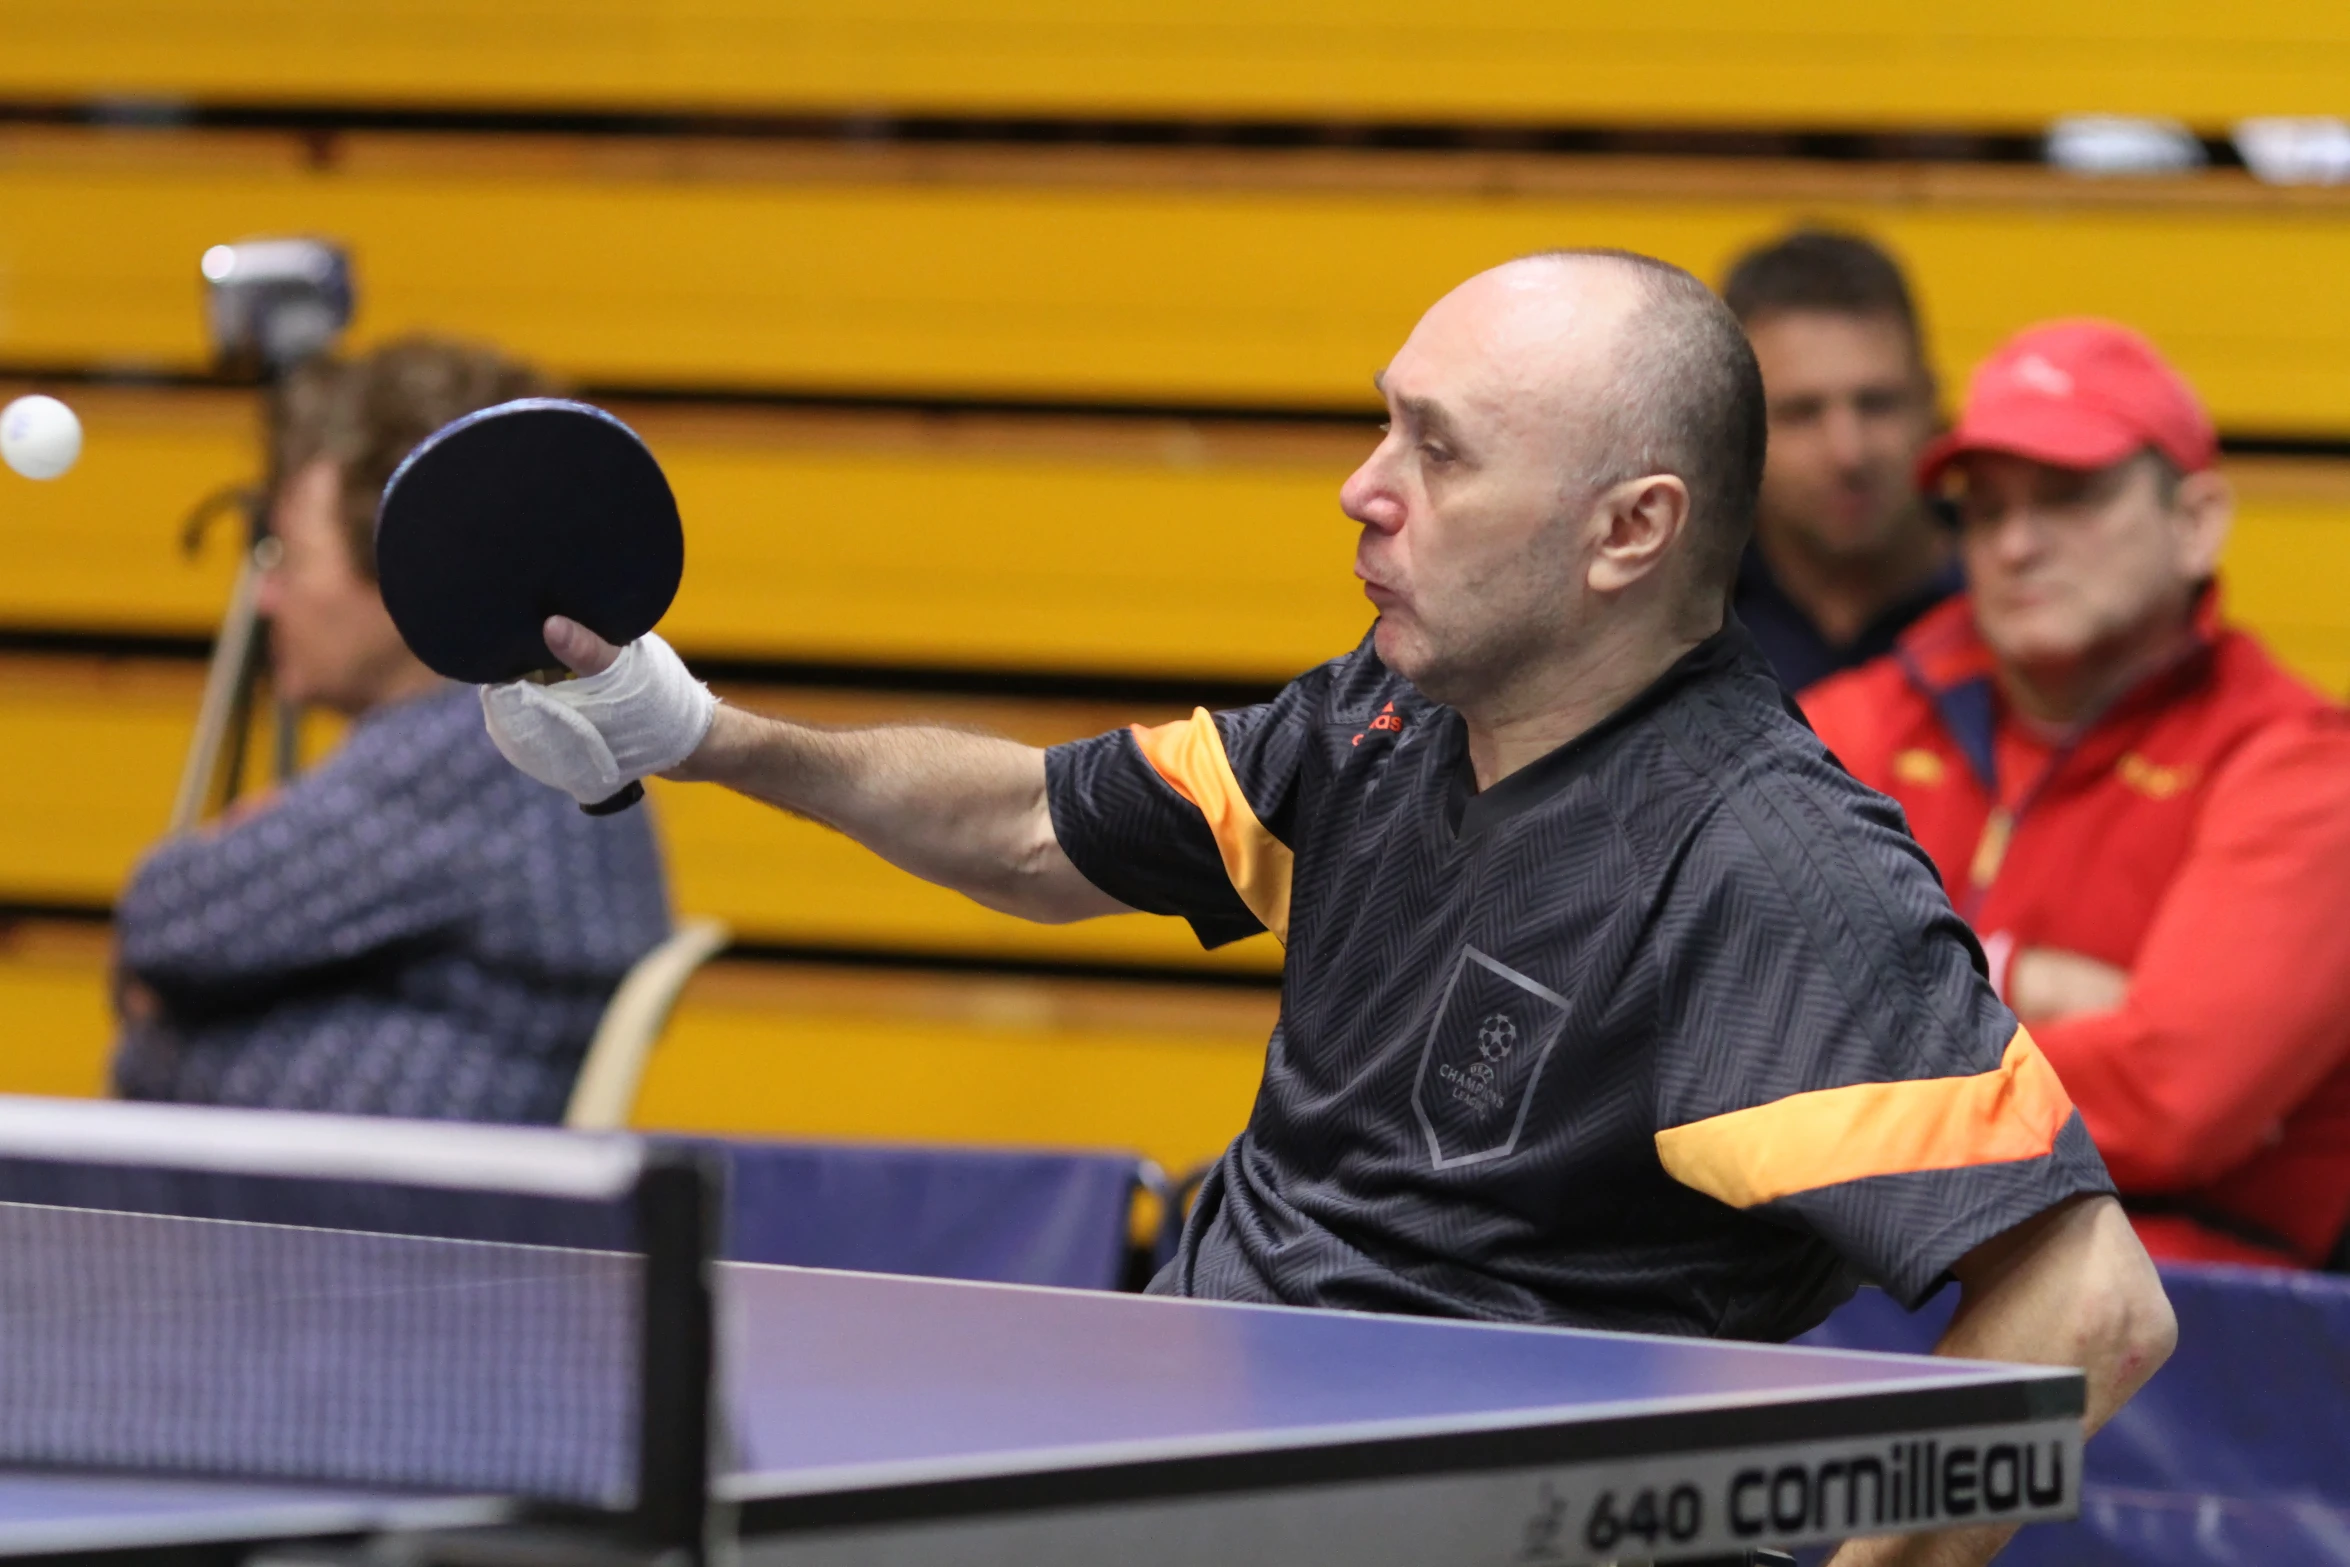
1851,409
1470,550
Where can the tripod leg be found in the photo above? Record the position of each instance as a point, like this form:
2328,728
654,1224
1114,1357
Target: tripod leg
227,694
240,726
286,744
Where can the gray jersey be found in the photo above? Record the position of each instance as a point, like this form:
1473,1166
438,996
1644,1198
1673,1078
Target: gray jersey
1672,1030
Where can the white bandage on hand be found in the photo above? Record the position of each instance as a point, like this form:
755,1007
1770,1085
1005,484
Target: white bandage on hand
590,736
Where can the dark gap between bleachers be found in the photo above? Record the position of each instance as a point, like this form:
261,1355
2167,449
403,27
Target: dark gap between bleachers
1824,142
1108,411
15,912
894,679
938,962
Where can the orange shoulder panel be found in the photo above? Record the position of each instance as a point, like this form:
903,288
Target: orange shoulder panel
1189,754
1833,1135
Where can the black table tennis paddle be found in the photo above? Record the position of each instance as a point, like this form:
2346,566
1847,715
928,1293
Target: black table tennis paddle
502,518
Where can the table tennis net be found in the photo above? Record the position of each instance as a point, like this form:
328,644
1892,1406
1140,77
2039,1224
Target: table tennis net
157,1342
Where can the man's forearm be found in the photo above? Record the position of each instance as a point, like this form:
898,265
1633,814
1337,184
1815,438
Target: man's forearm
964,810
2070,1288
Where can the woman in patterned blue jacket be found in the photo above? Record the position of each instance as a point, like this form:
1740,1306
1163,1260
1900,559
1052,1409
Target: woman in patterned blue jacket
413,928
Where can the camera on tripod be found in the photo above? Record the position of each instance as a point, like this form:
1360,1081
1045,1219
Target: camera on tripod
269,305
272,303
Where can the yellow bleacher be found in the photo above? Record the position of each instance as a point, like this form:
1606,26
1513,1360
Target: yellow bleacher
1185,278
1162,548
804,1051
1996,62
1106,544
97,746
815,1051
1150,547
2287,561
53,993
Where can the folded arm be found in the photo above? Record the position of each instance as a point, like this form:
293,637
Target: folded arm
2235,1003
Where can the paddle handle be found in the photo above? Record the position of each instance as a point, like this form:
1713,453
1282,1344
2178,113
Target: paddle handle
629,794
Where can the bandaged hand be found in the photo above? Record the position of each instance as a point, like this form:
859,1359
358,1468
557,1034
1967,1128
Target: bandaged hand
591,736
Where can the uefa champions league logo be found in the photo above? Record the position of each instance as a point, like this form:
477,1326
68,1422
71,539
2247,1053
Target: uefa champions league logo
1474,1084
1482,1059
1497,1036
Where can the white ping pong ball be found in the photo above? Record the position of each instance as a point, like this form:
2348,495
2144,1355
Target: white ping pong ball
39,437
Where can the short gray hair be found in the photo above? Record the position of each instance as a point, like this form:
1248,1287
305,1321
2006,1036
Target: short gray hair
1689,403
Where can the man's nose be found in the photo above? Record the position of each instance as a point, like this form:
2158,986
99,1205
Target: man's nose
2016,536
1848,445
1369,497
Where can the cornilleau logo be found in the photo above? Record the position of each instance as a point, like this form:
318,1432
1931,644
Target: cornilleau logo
1700,1504
1913,1481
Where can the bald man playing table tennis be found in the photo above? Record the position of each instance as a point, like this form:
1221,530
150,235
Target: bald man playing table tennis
1611,1000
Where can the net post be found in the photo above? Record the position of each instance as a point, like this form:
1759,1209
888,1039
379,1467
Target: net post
677,1210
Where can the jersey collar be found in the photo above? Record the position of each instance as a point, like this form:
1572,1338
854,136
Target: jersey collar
1469,811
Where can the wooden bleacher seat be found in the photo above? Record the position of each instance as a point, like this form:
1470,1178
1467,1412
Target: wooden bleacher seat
1087,547
1065,545
2012,62
1164,278
796,1050
96,745
53,992
1166,1071
1248,280
2288,560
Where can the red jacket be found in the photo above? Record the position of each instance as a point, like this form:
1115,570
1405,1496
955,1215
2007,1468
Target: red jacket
2196,834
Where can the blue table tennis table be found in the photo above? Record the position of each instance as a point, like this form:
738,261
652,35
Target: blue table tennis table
865,1419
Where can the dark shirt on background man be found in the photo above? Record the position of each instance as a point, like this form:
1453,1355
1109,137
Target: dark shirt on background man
1794,647
413,929
1843,539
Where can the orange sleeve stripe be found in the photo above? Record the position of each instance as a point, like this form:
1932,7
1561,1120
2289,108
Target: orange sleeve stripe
1189,754
1832,1135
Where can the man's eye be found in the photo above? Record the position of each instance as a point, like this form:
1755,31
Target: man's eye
1434,452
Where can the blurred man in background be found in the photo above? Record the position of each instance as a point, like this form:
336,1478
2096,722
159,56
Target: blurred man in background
413,928
1846,553
2147,820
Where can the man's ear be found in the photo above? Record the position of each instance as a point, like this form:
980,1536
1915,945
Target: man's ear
2205,507
1638,522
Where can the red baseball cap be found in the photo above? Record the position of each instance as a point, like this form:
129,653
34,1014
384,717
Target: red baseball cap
2077,394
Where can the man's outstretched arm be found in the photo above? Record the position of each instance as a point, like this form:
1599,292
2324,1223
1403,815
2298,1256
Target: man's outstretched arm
964,810
2071,1287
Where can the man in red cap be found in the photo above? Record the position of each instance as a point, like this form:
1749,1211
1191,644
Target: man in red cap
2143,816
